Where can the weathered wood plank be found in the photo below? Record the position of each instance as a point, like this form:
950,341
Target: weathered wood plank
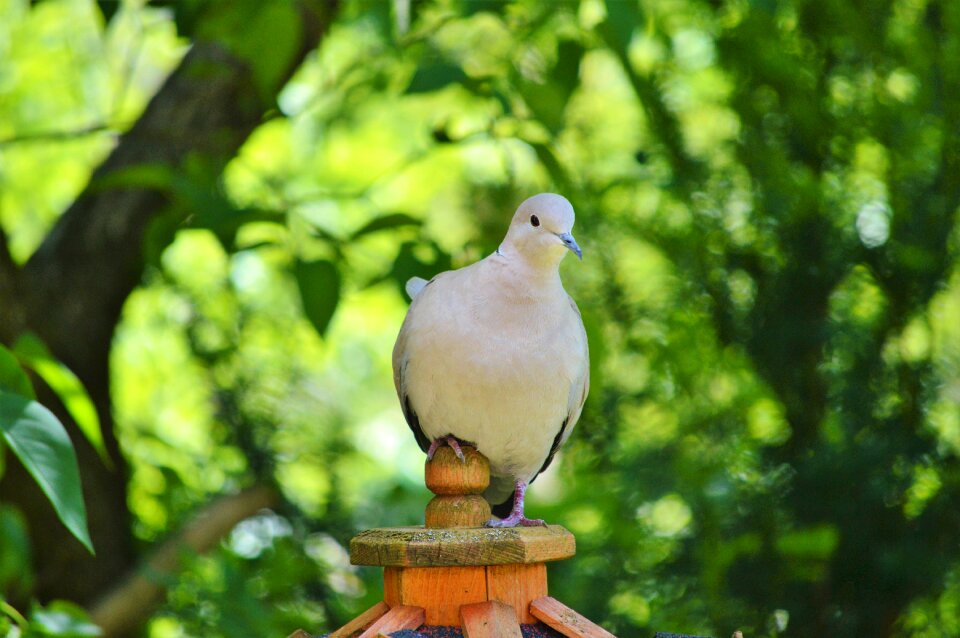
517,586
399,617
491,619
419,547
565,620
359,623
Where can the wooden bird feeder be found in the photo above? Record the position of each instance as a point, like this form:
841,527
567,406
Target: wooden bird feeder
455,572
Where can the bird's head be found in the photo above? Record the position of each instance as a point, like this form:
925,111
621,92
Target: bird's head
541,230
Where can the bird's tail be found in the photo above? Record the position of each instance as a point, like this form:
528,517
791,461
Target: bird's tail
503,509
500,494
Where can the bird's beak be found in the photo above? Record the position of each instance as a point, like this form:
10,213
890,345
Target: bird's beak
571,243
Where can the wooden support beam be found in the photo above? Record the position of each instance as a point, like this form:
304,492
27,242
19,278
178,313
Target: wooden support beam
517,585
565,620
489,620
400,617
361,622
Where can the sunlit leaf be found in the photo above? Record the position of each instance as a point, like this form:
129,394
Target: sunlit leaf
41,443
225,221
319,285
63,619
67,386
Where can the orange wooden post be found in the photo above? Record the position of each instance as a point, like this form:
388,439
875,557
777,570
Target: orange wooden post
457,485
454,571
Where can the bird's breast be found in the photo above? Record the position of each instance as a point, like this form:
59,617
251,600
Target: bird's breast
499,380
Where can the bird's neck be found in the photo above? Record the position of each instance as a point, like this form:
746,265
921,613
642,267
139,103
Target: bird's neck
541,271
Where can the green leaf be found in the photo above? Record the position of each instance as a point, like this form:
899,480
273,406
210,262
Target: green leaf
435,77
225,221
12,376
64,620
15,559
548,100
319,285
622,19
244,27
150,175
394,220
41,443
35,355
411,262
108,8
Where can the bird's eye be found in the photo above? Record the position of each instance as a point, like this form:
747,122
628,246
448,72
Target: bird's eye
534,221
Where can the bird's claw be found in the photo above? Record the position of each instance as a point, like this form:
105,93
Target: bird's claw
516,520
450,441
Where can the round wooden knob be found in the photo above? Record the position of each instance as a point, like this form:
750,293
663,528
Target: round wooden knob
457,485
446,475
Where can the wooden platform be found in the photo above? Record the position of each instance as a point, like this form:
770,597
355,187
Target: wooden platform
456,572
423,547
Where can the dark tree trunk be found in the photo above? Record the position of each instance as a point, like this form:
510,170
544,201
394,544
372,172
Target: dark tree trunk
73,288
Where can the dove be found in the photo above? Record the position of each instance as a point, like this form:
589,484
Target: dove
494,355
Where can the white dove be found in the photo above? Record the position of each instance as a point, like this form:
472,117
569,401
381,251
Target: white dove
494,355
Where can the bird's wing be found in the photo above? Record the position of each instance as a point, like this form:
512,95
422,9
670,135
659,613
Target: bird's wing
579,390
414,287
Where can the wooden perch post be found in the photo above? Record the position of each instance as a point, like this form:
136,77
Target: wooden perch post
456,572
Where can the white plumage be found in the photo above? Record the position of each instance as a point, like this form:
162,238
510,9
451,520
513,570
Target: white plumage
495,354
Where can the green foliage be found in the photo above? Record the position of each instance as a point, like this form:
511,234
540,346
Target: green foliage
767,196
59,618
68,388
13,378
38,439
319,285
14,552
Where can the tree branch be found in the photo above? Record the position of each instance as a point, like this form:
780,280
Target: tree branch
127,606
7,267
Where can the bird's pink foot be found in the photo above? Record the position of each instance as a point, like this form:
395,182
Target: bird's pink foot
516,520
450,440
516,517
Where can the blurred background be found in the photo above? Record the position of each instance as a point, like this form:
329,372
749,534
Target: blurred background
208,209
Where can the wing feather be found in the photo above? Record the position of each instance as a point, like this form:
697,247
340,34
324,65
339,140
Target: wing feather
578,396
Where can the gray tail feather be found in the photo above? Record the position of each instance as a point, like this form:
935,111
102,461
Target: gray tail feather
503,509
500,495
